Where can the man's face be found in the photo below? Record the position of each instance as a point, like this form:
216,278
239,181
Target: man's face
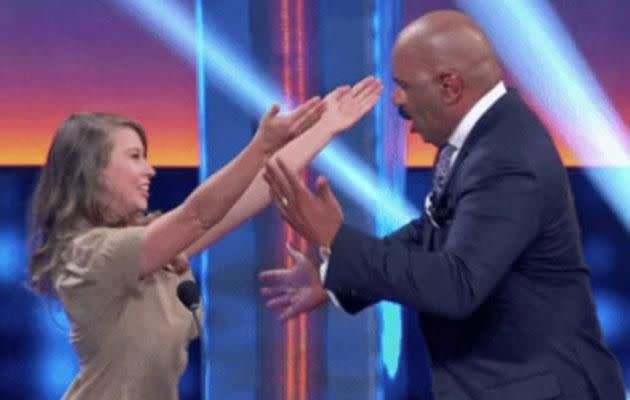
418,94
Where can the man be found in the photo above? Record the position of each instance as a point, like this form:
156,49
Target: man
494,266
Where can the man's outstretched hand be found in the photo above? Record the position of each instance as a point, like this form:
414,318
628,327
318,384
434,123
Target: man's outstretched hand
317,216
295,290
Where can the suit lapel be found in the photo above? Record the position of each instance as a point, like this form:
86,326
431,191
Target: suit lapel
482,126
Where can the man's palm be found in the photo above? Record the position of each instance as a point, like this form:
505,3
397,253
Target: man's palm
295,290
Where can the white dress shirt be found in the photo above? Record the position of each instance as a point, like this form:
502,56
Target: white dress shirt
457,139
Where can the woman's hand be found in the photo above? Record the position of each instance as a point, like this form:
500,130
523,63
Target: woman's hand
276,130
346,105
180,264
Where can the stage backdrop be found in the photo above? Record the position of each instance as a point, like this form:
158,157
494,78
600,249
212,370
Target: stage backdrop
74,55
63,57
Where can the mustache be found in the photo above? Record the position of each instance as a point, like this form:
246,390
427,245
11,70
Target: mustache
403,113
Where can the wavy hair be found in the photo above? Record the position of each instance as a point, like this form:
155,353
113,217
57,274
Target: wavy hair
66,200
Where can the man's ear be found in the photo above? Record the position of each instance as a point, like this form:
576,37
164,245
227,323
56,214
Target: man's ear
452,87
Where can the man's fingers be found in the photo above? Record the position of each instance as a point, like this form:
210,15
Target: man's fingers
274,189
289,312
292,199
270,292
282,203
274,278
279,302
290,216
325,193
278,181
296,222
295,186
296,255
323,187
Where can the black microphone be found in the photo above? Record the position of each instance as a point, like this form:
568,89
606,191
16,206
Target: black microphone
188,294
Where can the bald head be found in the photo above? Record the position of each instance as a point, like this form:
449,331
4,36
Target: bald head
450,41
443,63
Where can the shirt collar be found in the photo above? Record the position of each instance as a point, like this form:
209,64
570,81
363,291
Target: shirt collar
465,126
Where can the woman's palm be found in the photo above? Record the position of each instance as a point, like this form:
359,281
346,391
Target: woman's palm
345,105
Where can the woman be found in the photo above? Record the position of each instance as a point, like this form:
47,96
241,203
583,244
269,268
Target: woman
115,271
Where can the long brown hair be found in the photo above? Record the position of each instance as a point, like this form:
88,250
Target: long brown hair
66,199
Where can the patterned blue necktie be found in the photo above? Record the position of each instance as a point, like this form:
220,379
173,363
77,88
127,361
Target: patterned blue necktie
442,168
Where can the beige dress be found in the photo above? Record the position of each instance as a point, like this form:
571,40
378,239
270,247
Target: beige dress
131,335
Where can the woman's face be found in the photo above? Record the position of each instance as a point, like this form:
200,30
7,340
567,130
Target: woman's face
127,176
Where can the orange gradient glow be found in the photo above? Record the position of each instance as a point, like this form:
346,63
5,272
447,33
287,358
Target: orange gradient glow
172,140
172,134
421,154
292,36
55,64
301,92
289,235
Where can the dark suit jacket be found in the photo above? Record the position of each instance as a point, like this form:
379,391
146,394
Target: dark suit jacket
502,288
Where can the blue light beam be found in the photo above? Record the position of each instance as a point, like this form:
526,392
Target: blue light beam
537,48
225,67
390,155
237,77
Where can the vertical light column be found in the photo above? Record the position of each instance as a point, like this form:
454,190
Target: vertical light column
204,172
389,155
294,72
345,35
230,348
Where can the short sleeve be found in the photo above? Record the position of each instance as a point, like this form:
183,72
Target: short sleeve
103,265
